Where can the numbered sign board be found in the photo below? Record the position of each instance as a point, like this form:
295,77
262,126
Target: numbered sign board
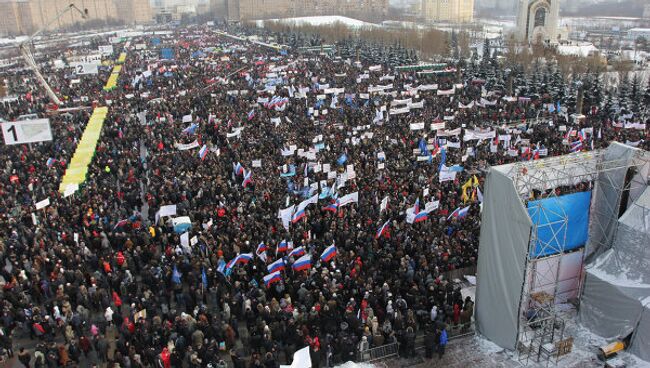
85,68
27,131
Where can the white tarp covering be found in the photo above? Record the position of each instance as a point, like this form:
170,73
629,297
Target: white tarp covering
616,298
505,235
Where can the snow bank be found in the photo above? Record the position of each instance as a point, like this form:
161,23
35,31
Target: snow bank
321,21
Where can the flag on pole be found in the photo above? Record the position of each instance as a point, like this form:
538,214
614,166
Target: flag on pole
332,207
459,213
282,247
176,276
383,229
328,253
238,169
303,263
297,252
50,162
204,277
272,278
203,152
251,114
261,247
276,266
247,178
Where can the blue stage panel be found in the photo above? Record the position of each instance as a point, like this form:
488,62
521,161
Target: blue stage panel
562,223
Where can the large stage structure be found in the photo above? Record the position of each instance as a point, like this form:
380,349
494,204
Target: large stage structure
542,221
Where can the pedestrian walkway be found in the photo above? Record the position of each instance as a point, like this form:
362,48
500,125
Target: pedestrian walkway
83,155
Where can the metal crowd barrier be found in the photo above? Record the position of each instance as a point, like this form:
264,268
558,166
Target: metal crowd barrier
378,353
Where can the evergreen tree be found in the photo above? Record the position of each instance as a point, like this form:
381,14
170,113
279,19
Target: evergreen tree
646,97
623,97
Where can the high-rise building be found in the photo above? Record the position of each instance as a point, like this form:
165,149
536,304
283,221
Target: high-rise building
237,10
452,11
27,16
537,21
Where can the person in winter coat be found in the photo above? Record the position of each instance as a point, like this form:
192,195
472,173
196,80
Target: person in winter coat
442,343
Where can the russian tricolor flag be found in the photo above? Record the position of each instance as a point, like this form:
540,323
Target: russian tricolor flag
245,258
248,178
203,152
261,247
276,266
238,169
282,247
271,278
419,216
298,216
50,162
382,229
251,114
459,213
328,253
576,146
332,207
300,251
232,263
303,263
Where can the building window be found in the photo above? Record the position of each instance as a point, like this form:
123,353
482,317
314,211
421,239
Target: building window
540,17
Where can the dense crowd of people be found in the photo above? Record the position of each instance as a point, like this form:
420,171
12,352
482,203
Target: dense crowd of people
233,134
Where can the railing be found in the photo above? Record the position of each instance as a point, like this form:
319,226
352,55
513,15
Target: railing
459,273
378,353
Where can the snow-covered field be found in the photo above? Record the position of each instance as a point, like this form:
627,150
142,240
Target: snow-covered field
321,21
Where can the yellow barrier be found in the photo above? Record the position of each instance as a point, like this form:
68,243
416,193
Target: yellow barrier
83,155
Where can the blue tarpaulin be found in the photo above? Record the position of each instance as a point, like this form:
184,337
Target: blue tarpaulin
562,223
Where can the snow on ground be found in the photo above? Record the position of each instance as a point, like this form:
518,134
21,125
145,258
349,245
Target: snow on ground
355,365
321,21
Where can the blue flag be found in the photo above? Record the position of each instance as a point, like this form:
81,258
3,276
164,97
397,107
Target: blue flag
204,277
176,276
342,159
443,158
423,147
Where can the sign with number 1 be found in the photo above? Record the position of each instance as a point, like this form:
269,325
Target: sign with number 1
28,131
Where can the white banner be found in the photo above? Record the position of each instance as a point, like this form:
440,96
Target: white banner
438,126
349,198
417,126
403,110
185,147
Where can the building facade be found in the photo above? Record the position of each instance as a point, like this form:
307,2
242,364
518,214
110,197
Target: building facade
28,16
452,11
241,10
537,21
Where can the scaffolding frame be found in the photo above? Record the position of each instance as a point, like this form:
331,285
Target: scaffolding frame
543,177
